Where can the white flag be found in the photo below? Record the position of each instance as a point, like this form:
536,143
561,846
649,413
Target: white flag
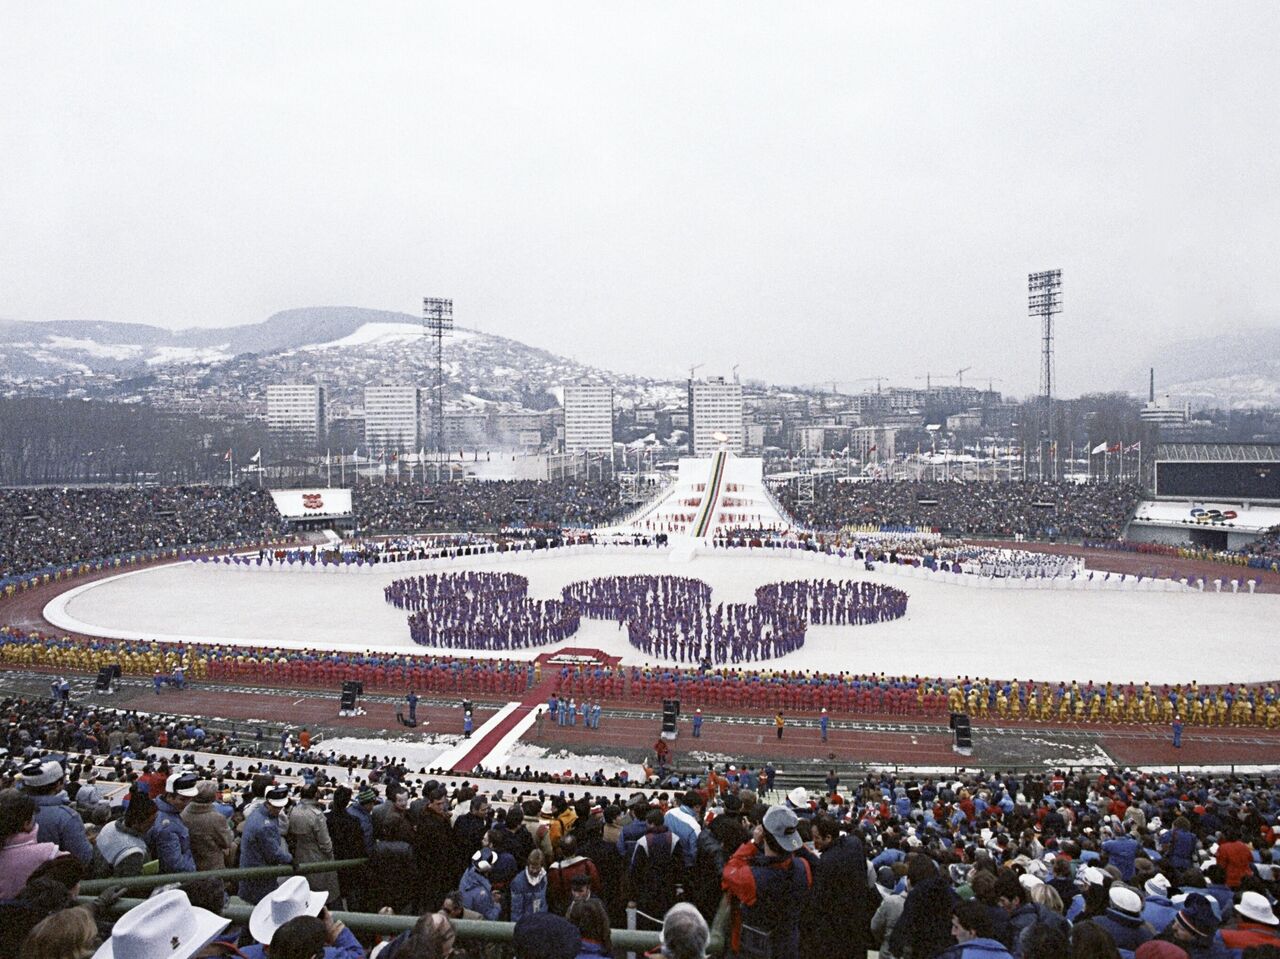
255,457
1100,448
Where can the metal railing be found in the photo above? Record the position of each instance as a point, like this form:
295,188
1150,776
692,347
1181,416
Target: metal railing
624,940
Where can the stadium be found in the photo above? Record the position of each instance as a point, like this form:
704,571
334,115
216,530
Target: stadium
901,634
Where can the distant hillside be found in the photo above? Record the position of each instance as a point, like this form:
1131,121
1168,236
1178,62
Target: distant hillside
345,348
1229,370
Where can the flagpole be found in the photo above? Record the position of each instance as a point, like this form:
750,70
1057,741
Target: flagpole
1139,461
231,467
342,467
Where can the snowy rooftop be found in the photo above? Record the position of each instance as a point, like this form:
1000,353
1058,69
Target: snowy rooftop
1189,512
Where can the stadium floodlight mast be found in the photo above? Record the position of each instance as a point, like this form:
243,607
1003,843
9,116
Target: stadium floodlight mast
437,321
1044,299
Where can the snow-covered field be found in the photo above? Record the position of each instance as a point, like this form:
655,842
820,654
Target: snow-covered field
948,630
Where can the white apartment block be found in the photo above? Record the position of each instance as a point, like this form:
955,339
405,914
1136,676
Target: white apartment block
715,407
296,411
588,418
392,418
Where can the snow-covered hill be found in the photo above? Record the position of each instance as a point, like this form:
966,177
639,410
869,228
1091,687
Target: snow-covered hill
344,348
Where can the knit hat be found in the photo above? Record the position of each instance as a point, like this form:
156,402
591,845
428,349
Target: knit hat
365,795
483,860
544,935
1157,885
38,773
1196,917
1125,903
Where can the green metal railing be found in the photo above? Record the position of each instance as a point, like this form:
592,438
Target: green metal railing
624,940
128,883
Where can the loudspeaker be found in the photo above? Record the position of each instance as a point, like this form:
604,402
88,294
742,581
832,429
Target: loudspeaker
105,675
670,716
963,733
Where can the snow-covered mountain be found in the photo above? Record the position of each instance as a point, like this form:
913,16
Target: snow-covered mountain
344,348
1239,370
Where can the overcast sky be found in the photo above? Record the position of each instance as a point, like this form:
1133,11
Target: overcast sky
813,191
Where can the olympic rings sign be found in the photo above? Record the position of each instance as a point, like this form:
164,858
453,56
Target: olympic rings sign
1201,515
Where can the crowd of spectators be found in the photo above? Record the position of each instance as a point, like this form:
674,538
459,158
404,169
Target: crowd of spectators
44,527
1033,510
1057,865
488,505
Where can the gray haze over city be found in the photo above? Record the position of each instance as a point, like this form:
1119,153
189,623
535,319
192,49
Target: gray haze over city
812,191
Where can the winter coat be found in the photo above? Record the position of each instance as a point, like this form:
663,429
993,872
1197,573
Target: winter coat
976,949
885,918
308,835
769,895
528,896
655,871
477,893
210,835
840,907
924,929
433,844
58,823
685,826
171,840
21,855
1125,931
261,845
122,852
560,880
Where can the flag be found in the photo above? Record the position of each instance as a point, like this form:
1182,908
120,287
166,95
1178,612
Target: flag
1135,446
1115,447
226,457
1100,448
395,455
256,457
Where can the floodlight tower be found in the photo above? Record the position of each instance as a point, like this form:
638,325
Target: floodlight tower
1044,299
437,321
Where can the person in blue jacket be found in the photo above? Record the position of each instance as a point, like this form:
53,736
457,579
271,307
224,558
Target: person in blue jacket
476,888
529,888
292,899
56,820
262,844
168,836
972,930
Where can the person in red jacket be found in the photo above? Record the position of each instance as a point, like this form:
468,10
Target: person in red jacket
1256,924
1234,856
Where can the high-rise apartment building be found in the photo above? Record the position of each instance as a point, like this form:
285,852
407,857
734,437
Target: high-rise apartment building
296,412
392,418
715,407
588,418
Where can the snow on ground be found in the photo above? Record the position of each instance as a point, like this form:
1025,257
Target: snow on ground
417,752
373,334
542,760
1041,634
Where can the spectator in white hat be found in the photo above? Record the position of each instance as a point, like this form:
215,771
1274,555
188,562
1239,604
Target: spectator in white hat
293,898
1255,923
169,836
56,821
165,925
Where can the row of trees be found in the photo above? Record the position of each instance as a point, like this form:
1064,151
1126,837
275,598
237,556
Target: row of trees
77,441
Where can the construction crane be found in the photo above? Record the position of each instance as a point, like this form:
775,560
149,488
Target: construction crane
928,381
735,371
694,369
960,376
864,379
